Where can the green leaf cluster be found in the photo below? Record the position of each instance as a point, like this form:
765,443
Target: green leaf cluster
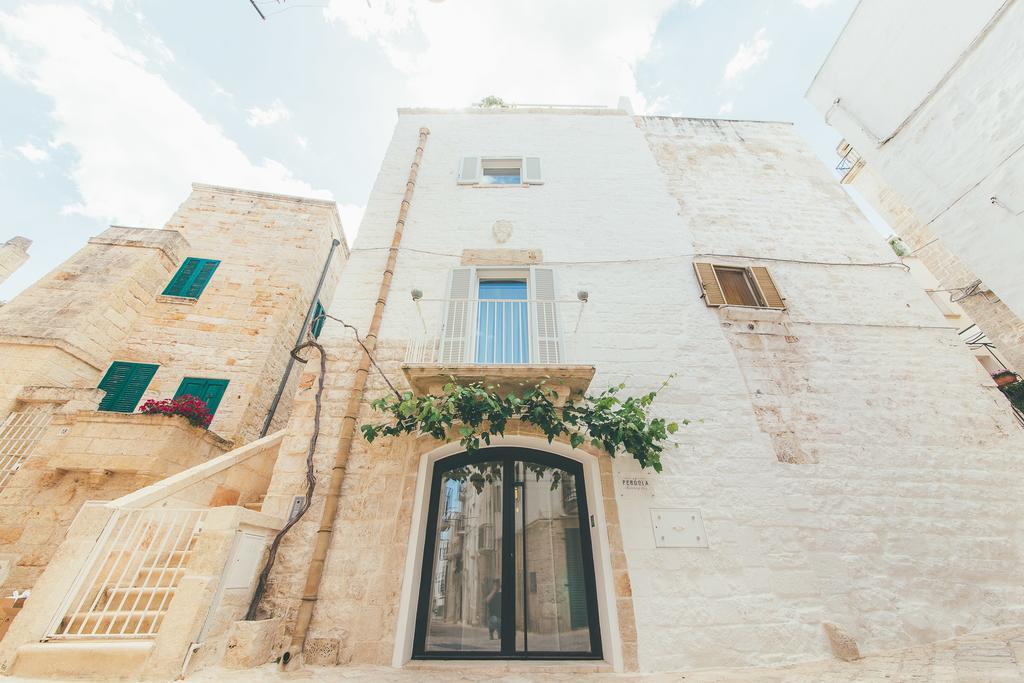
477,413
1015,392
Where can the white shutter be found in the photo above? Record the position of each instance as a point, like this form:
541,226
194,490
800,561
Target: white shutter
547,343
458,313
531,171
469,170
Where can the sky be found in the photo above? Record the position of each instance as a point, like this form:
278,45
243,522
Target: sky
110,108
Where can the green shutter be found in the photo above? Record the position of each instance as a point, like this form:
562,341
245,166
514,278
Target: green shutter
192,278
125,383
318,321
211,391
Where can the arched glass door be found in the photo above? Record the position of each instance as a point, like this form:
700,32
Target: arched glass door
508,568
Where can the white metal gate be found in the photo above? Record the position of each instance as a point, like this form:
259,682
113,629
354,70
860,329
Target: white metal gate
131,575
19,434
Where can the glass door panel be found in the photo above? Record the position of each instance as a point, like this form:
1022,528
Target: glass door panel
465,600
552,610
503,322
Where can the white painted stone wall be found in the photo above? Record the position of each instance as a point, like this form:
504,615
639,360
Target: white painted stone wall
903,523
943,125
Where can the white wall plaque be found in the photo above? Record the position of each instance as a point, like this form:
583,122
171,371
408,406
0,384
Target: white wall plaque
635,485
678,528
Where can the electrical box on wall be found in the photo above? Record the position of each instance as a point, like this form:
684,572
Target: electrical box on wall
678,528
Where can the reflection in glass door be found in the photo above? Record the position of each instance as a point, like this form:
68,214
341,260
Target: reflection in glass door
508,569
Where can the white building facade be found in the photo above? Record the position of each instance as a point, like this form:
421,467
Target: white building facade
849,463
942,128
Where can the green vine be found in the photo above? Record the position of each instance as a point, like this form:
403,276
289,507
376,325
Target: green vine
477,413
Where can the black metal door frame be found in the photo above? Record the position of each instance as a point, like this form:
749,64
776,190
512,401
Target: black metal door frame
508,456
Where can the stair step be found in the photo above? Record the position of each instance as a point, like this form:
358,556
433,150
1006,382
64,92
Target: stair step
136,597
112,623
151,577
99,660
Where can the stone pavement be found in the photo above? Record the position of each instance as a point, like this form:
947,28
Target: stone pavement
993,656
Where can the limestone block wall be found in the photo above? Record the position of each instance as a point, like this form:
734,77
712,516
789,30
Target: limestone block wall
852,463
88,456
987,311
84,309
272,250
13,254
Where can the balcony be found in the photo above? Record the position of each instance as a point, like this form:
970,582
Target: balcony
512,344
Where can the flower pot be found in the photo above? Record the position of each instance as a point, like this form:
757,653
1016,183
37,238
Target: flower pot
1004,378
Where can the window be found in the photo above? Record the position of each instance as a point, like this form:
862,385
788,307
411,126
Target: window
125,383
508,565
500,315
734,286
191,278
317,325
210,391
500,171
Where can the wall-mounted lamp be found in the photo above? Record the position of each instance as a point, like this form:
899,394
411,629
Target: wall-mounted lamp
417,294
583,295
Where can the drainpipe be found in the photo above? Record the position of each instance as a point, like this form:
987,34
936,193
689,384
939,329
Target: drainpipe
299,340
348,427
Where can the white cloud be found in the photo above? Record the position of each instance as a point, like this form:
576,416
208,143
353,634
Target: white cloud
814,4
696,3
534,51
351,217
139,143
301,141
726,107
748,55
33,153
271,115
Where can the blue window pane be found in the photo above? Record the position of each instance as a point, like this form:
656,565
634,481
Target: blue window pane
503,322
502,176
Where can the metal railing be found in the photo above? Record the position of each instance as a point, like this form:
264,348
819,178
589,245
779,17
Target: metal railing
130,577
847,163
19,434
495,332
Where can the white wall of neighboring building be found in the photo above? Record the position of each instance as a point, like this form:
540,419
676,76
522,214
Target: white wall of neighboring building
932,96
897,511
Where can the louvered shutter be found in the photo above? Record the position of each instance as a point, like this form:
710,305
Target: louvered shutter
125,383
769,292
202,278
210,391
548,344
317,325
713,295
181,279
457,321
469,171
531,171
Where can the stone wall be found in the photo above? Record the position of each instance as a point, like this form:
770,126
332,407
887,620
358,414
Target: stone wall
985,309
13,254
851,461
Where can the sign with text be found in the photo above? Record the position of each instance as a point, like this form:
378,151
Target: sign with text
635,486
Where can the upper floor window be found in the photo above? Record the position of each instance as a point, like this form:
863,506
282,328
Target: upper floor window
737,286
317,325
500,171
191,278
210,391
125,383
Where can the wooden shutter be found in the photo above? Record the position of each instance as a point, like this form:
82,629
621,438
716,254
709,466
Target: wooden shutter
548,344
713,294
181,279
769,292
210,391
317,325
125,383
458,313
192,278
469,171
531,171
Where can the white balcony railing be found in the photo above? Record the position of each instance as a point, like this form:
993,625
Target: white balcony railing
495,332
131,575
19,434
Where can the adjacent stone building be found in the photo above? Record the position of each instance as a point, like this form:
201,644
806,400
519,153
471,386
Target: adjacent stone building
115,325
849,481
935,145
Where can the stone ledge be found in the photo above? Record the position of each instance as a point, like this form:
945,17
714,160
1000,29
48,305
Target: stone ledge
566,380
184,300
